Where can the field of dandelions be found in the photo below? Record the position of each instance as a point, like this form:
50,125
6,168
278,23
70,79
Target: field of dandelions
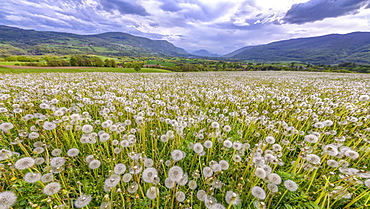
194,140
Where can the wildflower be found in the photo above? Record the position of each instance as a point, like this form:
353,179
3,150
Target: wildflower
7,199
311,138
232,197
237,146
274,178
119,168
124,143
104,137
270,139
49,125
314,159
24,163
177,155
192,184
180,196
5,154
94,164
208,144
217,206
237,158
32,177
201,195
175,173
367,183
149,174
330,149
227,143
73,152
290,185
277,147
126,177
207,172
352,154
112,181
33,135
56,152
152,193
226,128
209,201
57,161
39,160
38,150
169,183
148,162
82,201
217,184
215,125
198,148
51,188
363,98
216,167
6,126
183,180
89,158
260,173
332,163
87,128
258,193
224,164
48,177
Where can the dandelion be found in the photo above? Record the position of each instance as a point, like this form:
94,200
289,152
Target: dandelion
56,152
363,98
48,177
270,139
237,146
112,181
216,167
32,177
198,148
148,163
352,154
314,159
207,172
5,154
272,187
33,135
51,188
169,183
73,152
152,193
224,164
49,125
82,201
149,174
89,158
217,206
226,128
217,184
311,138
208,144
201,195
87,128
232,198
57,162
215,125
104,137
24,163
177,155
7,199
119,168
330,149
94,164
260,173
192,184
274,178
39,160
290,185
277,147
227,143
175,173
237,158
38,150
126,177
180,196
6,126
258,193
367,183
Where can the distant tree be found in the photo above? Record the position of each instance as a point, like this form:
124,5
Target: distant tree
137,68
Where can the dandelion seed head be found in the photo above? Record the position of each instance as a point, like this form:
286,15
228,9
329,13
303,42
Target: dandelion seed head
51,188
258,193
290,185
82,201
7,199
24,163
32,177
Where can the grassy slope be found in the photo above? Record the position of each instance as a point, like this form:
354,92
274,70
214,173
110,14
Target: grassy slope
56,70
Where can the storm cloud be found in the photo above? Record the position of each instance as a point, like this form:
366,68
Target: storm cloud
315,10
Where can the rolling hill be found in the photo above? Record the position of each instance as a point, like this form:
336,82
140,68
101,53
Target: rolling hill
328,49
16,41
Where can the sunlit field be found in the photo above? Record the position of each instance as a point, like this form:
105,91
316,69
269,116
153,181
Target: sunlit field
185,140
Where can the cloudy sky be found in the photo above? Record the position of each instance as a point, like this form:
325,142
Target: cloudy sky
219,26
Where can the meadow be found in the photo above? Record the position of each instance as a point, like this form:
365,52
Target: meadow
185,140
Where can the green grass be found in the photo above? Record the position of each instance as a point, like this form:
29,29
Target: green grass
165,64
8,63
114,70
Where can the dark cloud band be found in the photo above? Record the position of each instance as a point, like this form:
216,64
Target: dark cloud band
315,10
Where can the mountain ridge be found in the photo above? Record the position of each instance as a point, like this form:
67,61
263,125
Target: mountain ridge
21,41
327,49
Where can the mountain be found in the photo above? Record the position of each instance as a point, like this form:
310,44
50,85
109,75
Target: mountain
328,49
29,42
204,53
